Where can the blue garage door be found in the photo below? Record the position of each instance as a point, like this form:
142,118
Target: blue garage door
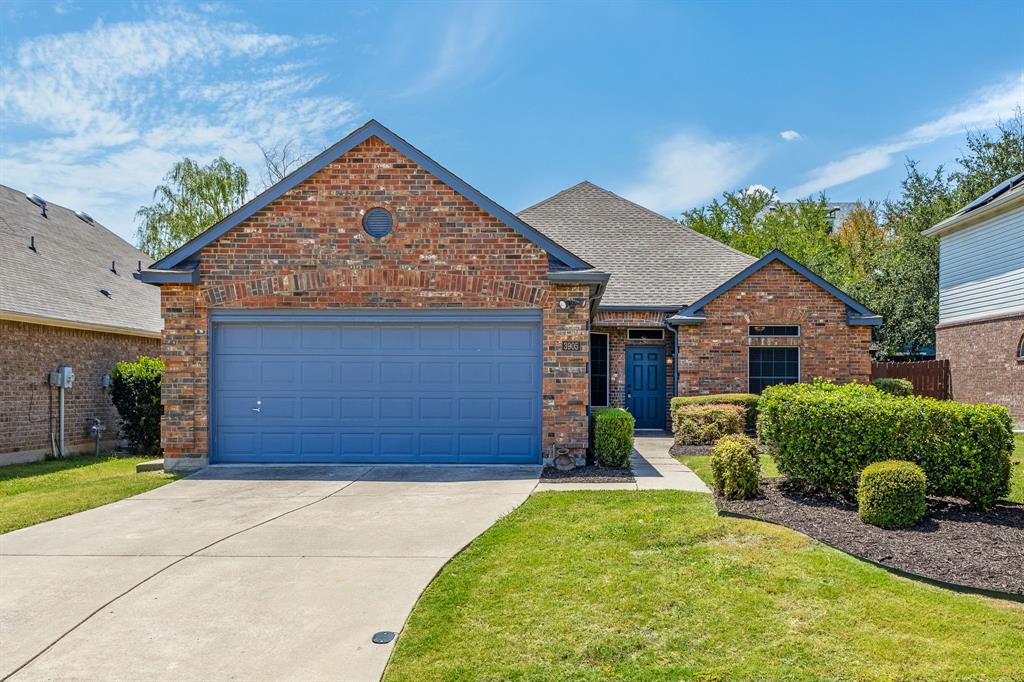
458,390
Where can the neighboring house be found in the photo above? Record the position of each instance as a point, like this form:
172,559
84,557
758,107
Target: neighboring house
981,297
373,307
68,297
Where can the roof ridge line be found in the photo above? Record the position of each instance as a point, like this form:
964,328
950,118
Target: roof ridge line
555,196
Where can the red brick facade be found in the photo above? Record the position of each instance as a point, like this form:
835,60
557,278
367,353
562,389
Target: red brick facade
713,355
308,250
28,352
983,361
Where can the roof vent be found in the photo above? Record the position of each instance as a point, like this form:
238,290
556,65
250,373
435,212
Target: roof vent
32,243
105,293
113,266
38,201
82,215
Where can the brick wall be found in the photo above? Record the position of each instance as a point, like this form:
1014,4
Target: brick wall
28,352
308,250
713,355
983,363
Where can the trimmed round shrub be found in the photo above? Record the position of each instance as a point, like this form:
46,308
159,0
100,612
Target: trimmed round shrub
748,401
891,494
736,467
613,436
823,435
705,424
135,392
900,387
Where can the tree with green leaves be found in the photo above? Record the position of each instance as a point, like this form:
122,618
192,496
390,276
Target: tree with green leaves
191,198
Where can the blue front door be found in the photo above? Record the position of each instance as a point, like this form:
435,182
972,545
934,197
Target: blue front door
645,386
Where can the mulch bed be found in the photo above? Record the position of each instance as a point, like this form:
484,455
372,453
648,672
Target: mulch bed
688,450
954,544
588,474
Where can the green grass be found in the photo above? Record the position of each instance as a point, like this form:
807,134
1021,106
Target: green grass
1017,470
40,491
655,586
701,467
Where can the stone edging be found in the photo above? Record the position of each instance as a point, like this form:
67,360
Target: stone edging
955,587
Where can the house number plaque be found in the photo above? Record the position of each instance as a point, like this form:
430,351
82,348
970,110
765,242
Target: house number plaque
572,345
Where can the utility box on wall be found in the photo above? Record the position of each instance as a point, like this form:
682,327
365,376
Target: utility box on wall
64,377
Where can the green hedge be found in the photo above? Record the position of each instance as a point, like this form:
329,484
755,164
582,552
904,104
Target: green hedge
891,494
613,436
748,401
705,424
735,467
900,387
135,392
822,436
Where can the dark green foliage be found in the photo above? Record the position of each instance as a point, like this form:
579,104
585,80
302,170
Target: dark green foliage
705,424
900,387
891,494
736,467
748,401
822,436
135,392
613,436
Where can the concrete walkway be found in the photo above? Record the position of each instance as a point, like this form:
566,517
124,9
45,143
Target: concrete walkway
249,573
653,468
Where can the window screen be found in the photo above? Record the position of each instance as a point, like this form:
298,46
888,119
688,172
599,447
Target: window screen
599,370
770,366
774,330
646,334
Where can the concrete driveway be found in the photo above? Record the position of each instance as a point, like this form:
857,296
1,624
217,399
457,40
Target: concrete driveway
249,573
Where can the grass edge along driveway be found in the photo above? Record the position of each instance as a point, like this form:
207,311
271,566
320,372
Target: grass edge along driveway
653,585
40,491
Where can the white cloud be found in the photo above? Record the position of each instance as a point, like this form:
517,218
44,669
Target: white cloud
467,47
790,135
93,119
688,169
982,110
761,189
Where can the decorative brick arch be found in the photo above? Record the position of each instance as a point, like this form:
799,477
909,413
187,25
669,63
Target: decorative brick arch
376,279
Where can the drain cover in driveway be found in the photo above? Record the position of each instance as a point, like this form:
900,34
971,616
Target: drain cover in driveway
383,637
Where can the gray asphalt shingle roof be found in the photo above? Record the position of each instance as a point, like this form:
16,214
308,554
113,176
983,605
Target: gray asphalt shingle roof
652,259
62,278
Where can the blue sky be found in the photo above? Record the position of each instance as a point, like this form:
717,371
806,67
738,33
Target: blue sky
667,103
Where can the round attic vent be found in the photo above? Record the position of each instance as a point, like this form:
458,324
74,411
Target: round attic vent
377,222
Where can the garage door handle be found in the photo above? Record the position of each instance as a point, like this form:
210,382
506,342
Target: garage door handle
256,409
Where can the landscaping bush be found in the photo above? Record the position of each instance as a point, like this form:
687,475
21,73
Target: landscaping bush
705,424
613,436
735,467
891,494
135,392
900,387
823,435
748,401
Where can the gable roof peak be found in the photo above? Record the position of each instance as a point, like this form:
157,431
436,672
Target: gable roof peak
372,128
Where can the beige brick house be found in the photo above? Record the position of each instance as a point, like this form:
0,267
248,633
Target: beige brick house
374,307
68,297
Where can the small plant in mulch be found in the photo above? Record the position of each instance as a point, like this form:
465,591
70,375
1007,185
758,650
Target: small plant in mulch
891,494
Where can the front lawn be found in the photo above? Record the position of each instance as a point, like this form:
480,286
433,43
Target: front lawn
653,585
1017,472
40,491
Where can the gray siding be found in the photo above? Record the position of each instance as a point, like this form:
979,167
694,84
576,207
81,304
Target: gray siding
981,269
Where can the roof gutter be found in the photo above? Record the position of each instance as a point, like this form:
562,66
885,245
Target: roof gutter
176,276
71,324
960,221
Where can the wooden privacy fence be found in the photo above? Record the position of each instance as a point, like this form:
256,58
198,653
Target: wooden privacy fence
930,377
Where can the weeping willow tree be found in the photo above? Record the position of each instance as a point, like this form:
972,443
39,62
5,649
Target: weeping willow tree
191,198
